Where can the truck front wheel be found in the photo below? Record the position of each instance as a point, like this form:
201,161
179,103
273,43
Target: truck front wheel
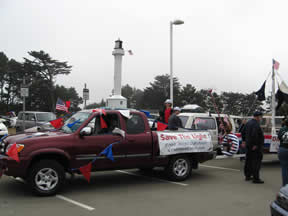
46,177
179,168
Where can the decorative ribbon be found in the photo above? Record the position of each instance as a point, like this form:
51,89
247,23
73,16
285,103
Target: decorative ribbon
86,169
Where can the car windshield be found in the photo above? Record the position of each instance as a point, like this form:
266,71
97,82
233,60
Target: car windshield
184,120
75,121
45,117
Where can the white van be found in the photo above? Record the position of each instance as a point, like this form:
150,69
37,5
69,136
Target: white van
201,121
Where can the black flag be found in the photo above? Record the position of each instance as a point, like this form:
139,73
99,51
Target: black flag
282,95
261,92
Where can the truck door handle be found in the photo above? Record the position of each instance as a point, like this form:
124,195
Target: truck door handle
117,140
131,140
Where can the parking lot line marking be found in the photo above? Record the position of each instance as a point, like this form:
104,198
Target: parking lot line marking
89,208
222,168
270,160
18,179
233,156
157,179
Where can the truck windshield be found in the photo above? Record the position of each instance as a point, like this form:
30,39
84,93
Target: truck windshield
75,121
204,123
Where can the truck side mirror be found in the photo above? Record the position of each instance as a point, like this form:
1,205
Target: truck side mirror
86,131
118,131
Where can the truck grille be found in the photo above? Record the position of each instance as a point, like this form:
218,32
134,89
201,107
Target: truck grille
2,147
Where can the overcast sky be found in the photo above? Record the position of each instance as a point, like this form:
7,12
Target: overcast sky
227,45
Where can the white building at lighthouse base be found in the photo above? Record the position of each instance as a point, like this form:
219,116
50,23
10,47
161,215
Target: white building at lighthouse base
116,102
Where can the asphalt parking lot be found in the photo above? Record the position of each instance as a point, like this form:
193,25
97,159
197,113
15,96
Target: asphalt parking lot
217,188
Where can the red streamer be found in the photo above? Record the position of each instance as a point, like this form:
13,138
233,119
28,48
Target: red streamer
68,104
13,152
57,123
161,126
103,123
86,171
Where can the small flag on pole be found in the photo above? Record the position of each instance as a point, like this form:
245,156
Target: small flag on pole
282,94
130,52
261,92
60,105
276,64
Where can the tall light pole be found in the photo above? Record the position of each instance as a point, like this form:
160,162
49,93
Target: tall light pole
175,22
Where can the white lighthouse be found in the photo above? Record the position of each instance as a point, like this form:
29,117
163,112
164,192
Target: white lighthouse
117,101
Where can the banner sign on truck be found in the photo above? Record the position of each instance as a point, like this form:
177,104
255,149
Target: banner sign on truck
171,143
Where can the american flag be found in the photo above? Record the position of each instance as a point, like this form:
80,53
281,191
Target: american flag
276,64
60,105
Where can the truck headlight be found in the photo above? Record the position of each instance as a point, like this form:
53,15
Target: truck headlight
20,147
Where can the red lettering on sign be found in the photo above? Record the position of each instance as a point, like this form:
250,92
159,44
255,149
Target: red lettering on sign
168,137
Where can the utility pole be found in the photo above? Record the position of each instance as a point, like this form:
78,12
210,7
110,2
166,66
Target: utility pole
175,22
273,102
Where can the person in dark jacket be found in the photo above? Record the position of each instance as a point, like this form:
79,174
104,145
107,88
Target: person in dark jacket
254,138
242,147
174,121
166,112
283,151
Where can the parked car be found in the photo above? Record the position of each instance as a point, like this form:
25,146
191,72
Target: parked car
46,157
33,118
10,122
279,207
3,128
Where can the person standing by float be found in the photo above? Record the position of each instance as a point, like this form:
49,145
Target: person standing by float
242,147
230,143
174,121
166,112
283,151
254,138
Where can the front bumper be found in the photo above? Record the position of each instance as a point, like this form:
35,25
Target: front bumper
10,167
276,210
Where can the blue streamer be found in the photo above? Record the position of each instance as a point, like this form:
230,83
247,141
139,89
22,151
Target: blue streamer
107,152
3,137
73,123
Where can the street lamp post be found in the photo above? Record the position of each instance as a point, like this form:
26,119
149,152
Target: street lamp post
24,93
175,22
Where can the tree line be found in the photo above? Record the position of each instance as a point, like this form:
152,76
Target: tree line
39,71
153,96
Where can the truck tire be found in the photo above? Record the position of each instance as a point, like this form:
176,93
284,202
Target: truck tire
46,177
179,168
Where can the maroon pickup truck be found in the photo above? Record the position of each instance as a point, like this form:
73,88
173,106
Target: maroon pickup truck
46,157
